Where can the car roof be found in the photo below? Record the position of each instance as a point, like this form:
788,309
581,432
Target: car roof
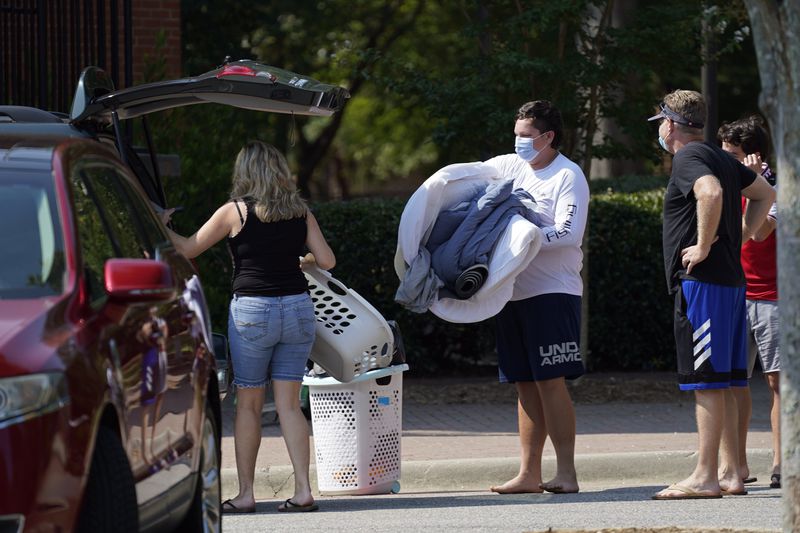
28,136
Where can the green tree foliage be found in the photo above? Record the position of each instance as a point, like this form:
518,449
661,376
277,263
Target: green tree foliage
569,52
438,82
338,42
433,83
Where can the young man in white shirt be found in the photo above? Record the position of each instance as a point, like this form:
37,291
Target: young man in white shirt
538,331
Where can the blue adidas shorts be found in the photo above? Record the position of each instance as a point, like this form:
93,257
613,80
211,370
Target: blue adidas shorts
710,336
538,338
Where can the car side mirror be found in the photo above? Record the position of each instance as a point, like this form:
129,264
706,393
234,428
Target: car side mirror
224,366
138,280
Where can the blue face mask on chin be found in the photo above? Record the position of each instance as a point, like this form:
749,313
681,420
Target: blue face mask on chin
523,146
663,143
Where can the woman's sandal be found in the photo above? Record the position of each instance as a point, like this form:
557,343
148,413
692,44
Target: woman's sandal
775,481
228,507
290,507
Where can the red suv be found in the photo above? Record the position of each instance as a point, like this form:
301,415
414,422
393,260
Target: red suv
109,393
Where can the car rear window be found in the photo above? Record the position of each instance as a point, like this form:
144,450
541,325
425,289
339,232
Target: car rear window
33,264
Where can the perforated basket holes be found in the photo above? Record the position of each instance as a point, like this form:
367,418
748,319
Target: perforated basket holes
330,405
385,462
346,475
333,415
330,309
384,408
374,356
384,427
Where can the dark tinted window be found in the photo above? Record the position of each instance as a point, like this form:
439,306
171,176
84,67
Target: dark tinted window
31,238
152,231
96,247
114,200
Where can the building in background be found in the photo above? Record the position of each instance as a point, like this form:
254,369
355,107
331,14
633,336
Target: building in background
45,44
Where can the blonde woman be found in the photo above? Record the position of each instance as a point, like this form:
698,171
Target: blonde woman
271,320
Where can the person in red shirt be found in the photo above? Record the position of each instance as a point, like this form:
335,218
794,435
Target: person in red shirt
747,140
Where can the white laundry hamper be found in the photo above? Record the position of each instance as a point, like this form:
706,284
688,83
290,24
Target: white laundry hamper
357,431
352,337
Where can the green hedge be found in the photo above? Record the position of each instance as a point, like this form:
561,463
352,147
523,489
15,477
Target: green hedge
630,312
630,321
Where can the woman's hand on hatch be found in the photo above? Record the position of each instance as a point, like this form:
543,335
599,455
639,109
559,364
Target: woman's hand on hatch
166,214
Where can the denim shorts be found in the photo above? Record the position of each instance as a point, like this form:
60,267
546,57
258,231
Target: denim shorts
270,338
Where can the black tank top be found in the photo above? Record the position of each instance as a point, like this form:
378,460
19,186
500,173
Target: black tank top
266,256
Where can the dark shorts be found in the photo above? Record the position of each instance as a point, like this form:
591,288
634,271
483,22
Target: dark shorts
538,338
710,336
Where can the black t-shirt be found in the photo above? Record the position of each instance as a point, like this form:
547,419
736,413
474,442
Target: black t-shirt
723,265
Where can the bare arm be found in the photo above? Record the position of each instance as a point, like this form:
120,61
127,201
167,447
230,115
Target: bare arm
214,230
708,193
766,229
321,252
760,197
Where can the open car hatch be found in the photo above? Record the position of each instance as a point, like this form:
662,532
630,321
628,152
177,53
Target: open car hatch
246,84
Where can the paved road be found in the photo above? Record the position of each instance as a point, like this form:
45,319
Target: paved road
625,452
481,511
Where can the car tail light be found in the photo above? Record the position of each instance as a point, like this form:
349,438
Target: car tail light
236,70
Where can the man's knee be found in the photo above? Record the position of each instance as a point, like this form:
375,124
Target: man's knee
551,384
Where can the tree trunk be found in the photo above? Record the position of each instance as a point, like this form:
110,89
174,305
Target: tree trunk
708,75
776,35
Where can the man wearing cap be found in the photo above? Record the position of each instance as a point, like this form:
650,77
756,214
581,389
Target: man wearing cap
702,235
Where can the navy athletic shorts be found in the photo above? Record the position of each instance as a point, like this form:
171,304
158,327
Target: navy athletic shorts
710,336
538,338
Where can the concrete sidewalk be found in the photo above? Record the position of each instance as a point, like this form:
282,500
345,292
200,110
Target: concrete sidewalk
471,446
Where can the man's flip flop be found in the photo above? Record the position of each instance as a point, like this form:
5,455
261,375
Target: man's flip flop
290,507
685,493
229,508
775,481
748,480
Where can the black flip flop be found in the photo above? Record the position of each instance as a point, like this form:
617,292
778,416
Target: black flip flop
290,507
775,481
229,508
750,479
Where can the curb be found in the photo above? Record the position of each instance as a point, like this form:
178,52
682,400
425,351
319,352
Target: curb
614,469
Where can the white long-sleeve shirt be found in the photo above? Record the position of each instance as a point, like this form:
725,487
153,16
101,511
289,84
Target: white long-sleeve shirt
562,197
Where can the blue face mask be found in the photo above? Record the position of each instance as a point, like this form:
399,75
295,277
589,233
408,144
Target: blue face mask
662,141
523,146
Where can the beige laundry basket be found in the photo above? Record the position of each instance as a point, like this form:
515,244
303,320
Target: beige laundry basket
352,336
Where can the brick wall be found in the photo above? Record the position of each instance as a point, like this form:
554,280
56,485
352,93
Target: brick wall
149,18
77,34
